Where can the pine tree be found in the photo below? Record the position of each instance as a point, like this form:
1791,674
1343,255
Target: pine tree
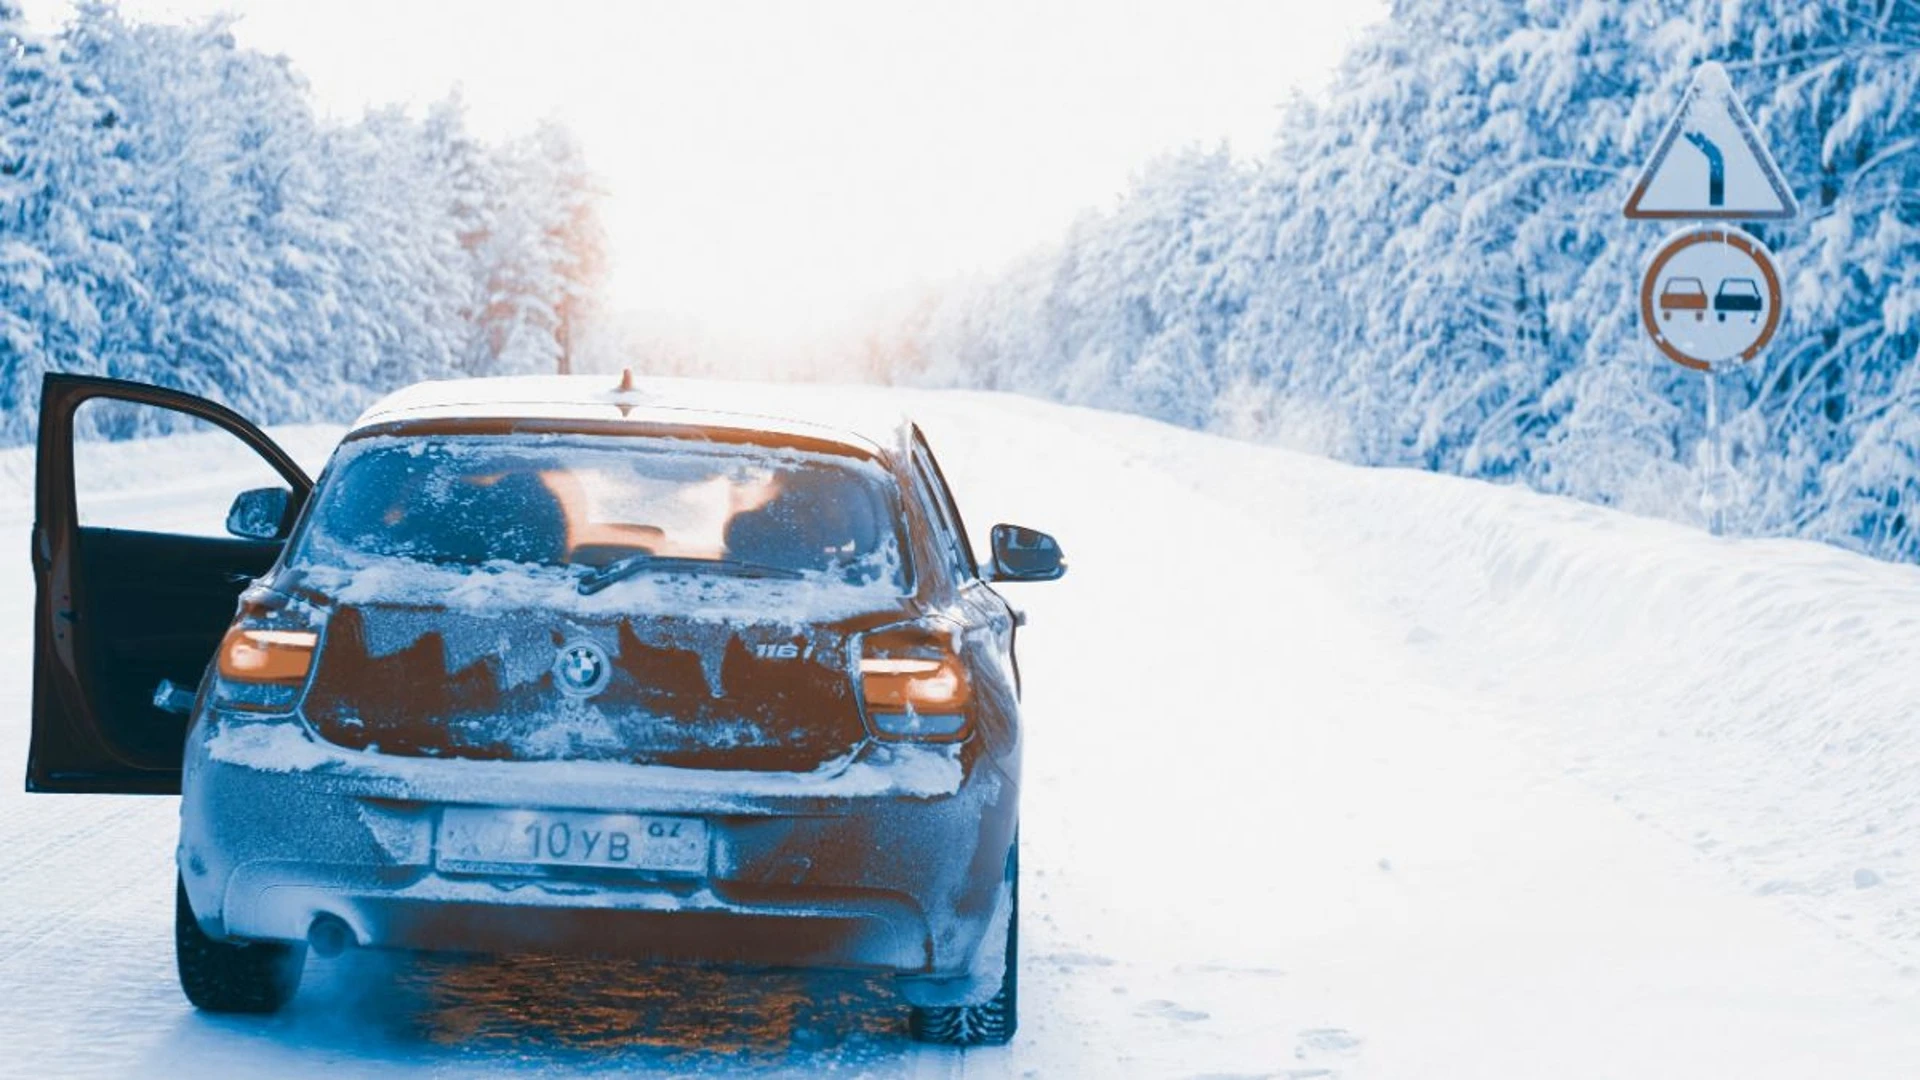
171,211
1429,267
65,224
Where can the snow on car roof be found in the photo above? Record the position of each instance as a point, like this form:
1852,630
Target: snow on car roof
854,416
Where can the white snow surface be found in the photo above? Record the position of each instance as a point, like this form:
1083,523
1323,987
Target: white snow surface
1330,772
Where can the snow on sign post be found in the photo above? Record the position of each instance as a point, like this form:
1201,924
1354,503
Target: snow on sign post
1710,297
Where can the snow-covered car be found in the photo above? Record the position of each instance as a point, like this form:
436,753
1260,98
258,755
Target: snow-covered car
562,665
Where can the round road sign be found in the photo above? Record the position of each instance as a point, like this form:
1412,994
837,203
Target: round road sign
1711,294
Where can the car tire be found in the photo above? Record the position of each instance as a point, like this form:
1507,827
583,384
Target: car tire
993,1022
232,977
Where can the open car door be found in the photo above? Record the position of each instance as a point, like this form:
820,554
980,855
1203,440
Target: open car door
119,610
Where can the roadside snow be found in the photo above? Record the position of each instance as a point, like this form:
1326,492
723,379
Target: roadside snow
188,461
1755,699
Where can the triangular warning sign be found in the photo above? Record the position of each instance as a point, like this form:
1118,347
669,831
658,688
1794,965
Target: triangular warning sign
1710,164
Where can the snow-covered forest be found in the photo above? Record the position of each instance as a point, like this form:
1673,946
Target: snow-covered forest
172,211
1429,268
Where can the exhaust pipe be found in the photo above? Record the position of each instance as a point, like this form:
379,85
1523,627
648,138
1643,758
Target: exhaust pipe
329,936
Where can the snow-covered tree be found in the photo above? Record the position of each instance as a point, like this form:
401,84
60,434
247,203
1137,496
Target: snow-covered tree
1429,267
540,248
172,211
66,220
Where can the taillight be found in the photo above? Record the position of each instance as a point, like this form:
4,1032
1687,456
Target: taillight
265,659
914,684
267,656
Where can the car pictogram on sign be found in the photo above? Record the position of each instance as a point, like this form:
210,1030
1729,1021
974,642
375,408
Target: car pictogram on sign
1683,294
1739,295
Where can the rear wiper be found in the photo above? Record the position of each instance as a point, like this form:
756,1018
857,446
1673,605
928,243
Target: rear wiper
622,569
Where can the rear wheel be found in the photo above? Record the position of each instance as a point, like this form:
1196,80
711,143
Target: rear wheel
232,977
990,1023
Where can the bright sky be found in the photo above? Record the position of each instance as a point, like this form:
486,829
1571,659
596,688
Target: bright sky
776,170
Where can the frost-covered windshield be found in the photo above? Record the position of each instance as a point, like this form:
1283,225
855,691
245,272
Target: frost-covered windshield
610,506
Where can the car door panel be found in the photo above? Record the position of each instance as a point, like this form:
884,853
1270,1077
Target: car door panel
116,610
164,603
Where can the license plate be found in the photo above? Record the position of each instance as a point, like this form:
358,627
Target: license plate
488,840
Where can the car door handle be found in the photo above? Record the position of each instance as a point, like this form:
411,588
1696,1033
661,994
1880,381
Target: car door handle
1019,616
170,697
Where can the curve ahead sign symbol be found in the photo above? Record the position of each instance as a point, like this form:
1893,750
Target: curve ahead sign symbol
1732,176
1716,168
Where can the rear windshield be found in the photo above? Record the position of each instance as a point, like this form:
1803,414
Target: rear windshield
599,503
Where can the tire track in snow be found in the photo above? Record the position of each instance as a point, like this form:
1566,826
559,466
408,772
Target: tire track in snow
936,1063
94,860
69,855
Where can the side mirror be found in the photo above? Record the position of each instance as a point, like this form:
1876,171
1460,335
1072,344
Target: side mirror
261,514
1021,554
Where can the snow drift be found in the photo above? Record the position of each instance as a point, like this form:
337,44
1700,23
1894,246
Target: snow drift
1755,698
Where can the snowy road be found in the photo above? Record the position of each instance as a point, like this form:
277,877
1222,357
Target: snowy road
1302,802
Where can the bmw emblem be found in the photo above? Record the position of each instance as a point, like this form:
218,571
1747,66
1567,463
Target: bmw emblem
581,669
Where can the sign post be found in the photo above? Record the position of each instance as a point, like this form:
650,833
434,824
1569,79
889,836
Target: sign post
1710,298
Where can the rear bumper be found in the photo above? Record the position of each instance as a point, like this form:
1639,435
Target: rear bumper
777,927
897,868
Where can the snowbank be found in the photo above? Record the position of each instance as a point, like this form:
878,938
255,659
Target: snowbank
1759,700
164,462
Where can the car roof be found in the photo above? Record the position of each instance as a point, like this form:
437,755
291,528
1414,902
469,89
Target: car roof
854,417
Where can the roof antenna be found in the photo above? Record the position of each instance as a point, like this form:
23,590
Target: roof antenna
626,381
